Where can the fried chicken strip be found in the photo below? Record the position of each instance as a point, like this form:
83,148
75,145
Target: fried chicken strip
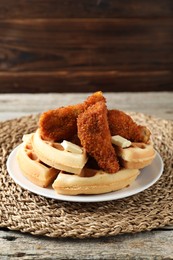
61,123
94,98
95,137
122,124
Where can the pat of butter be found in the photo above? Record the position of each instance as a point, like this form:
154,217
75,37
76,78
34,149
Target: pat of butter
120,141
70,147
27,138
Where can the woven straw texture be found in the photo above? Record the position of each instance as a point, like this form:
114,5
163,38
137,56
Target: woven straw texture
27,212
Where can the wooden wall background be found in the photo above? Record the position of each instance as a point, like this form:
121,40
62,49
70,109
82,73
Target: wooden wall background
86,45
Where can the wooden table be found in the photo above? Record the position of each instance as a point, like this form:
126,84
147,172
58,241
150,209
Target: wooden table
156,244
68,45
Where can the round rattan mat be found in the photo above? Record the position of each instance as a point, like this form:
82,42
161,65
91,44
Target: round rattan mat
27,212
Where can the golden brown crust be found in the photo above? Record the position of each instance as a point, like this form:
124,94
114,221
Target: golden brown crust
89,181
61,123
93,99
100,182
138,155
53,154
32,168
137,164
122,124
94,134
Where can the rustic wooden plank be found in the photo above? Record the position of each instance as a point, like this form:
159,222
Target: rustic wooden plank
146,245
79,81
125,56
121,44
75,54
99,30
85,8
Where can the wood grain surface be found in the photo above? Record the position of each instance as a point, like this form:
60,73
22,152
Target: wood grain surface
85,8
147,245
71,46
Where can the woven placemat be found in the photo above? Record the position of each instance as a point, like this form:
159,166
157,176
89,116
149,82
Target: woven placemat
27,212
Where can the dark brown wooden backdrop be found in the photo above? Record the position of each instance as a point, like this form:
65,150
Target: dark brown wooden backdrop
86,45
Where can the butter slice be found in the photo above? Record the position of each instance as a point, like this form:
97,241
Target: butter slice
70,147
27,138
120,141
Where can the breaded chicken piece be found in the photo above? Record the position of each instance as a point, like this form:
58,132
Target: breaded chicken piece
94,134
61,123
122,124
94,98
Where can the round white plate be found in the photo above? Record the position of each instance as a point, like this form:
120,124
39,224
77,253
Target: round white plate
148,176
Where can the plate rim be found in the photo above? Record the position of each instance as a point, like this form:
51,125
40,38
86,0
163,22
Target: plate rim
78,198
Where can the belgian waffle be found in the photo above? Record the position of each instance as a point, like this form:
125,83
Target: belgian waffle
32,167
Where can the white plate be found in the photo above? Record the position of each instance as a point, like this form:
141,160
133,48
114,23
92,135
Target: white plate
148,176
